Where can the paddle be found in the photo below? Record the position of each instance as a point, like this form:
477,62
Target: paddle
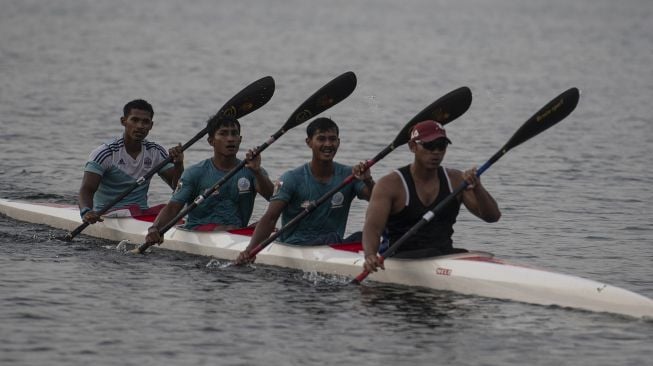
326,97
552,113
444,110
253,97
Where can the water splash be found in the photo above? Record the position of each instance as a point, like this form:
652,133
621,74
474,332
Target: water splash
321,279
215,263
124,246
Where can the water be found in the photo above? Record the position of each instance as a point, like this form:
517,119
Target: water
575,199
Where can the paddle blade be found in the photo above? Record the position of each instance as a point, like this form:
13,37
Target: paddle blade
552,113
253,97
329,95
444,110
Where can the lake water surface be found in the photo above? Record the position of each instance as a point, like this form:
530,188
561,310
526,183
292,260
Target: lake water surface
576,199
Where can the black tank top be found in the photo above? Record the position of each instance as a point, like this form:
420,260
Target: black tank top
433,238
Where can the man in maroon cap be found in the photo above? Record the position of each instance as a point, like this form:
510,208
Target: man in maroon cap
401,198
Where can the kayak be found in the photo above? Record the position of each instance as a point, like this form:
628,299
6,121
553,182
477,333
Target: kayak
474,273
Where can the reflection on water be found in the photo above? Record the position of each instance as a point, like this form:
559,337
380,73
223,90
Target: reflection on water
410,306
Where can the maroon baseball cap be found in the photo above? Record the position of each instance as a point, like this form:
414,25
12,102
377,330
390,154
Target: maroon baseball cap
427,131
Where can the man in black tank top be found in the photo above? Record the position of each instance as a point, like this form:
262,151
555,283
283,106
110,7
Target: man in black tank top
401,198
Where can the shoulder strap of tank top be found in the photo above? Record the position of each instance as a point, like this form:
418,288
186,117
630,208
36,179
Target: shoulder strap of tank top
402,174
446,177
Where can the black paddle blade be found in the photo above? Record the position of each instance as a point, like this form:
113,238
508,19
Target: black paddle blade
253,97
444,110
552,113
329,95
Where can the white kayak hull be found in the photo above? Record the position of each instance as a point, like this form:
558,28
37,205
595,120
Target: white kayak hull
473,273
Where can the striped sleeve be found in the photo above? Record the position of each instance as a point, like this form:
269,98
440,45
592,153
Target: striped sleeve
100,159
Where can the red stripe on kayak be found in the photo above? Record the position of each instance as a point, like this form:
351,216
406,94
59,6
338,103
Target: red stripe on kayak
247,231
350,247
146,218
148,215
482,259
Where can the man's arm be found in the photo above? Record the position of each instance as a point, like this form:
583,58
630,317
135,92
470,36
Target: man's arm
171,176
477,199
90,184
264,185
376,218
364,175
163,218
263,229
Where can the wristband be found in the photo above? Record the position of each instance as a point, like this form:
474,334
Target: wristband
83,211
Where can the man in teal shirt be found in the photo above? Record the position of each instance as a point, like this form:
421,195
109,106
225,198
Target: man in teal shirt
231,206
300,186
115,166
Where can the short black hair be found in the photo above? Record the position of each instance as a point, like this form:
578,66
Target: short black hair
139,104
321,124
218,121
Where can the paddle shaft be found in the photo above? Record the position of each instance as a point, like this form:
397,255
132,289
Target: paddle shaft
552,113
249,99
315,204
429,215
209,191
446,109
137,183
326,97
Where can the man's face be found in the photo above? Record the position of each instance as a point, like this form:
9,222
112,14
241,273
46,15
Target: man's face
138,124
430,154
226,140
324,144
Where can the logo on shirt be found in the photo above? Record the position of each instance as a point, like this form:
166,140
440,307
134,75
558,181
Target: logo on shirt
121,162
148,162
244,185
337,200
